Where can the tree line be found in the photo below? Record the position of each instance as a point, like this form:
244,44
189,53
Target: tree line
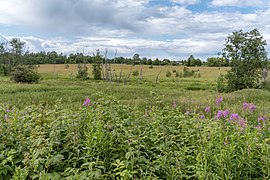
12,53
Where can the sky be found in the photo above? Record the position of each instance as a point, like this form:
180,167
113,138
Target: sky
173,29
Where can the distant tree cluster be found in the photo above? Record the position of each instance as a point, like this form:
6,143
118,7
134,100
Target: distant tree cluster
7,57
14,53
217,62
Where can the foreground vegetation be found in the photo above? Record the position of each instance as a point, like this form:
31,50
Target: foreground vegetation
105,139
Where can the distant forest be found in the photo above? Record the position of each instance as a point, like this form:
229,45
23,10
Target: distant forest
12,53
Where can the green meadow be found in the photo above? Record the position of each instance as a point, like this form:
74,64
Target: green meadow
149,126
190,93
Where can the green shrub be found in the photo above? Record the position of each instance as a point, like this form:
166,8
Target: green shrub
135,73
96,71
187,72
168,74
266,85
67,66
222,83
25,74
82,71
6,69
197,74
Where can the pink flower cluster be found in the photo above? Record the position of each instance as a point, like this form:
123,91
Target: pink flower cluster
219,100
222,114
249,106
87,102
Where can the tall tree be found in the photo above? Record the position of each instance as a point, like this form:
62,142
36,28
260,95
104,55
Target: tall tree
136,59
17,46
16,51
96,66
247,55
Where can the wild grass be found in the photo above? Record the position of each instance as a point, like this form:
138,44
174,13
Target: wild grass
108,140
188,93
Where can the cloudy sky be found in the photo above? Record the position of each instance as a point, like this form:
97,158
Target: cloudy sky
171,29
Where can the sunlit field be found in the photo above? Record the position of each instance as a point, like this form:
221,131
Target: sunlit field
149,74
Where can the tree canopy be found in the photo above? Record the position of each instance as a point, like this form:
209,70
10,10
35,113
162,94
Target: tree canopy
246,52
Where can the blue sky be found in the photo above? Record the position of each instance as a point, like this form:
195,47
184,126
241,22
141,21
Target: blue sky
161,29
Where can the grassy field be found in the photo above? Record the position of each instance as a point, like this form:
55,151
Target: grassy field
175,128
191,93
149,74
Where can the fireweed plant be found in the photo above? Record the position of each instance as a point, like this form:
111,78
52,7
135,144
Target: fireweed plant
105,139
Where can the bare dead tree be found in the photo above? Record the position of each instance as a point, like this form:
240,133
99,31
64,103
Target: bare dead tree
158,76
120,76
130,73
141,72
110,73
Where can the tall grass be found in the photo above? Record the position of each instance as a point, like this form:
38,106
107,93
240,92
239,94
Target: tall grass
109,140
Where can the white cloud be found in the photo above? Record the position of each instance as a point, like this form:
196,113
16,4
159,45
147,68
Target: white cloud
131,26
72,15
238,2
185,2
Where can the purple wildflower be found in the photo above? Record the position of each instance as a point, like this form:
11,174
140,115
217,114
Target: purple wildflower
207,109
223,114
220,114
262,118
226,113
243,124
249,106
219,100
252,107
87,102
234,116
245,105
202,117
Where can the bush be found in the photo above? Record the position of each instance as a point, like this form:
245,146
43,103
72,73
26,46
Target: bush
197,74
97,71
266,85
6,69
187,72
222,83
82,71
67,66
135,73
25,74
168,74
